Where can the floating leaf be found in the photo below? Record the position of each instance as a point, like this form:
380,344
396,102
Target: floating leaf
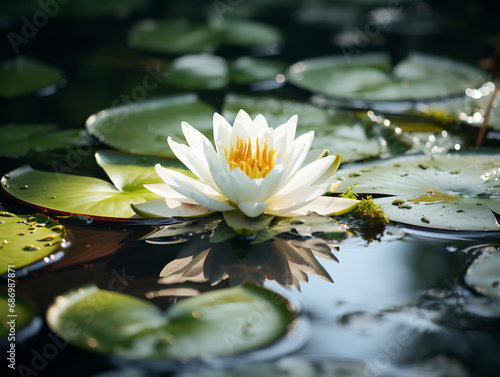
201,71
88,196
25,239
448,192
337,131
483,275
172,37
180,36
19,139
221,323
22,314
144,127
246,70
369,77
246,33
21,76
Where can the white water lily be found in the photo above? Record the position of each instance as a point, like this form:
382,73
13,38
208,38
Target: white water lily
253,168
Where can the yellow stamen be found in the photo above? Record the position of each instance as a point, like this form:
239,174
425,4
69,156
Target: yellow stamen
255,165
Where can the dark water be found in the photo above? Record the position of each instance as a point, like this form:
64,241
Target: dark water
398,306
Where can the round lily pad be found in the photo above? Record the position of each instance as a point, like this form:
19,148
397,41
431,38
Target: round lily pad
200,71
74,194
179,36
18,310
19,139
171,37
446,192
25,239
21,76
483,275
337,131
247,70
144,127
369,77
217,324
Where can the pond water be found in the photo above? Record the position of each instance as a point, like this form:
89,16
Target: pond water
398,304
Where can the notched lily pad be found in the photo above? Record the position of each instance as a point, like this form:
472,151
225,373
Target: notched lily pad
26,239
21,76
369,77
19,139
337,131
483,275
217,324
88,196
446,192
143,127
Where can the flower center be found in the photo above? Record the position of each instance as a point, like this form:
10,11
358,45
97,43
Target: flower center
255,165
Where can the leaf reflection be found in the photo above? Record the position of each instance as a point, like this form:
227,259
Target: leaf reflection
286,259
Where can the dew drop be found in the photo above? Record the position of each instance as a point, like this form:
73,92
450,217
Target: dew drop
196,314
397,202
48,238
23,187
425,220
53,197
57,228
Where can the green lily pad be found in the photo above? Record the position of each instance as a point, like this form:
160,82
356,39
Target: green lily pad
246,33
337,131
19,139
246,70
172,37
26,239
200,71
144,127
22,310
21,76
181,37
369,77
220,323
483,275
447,192
88,196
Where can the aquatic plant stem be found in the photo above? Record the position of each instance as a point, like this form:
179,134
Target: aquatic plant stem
482,130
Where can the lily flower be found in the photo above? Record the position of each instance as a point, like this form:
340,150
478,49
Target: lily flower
253,170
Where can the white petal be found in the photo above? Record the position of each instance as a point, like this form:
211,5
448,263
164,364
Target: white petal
317,172
232,185
297,199
168,192
298,154
314,155
169,208
252,209
266,187
222,129
198,191
195,162
324,205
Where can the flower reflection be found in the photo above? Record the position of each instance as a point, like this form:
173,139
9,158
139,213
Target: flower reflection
285,259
